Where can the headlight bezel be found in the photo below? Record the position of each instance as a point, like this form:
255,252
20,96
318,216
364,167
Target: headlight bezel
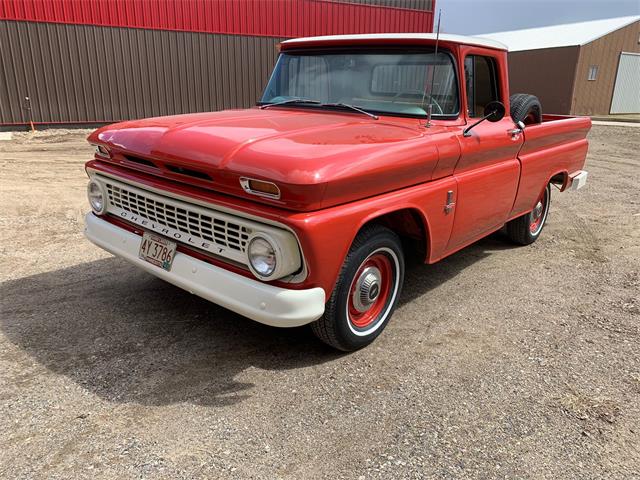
103,195
277,253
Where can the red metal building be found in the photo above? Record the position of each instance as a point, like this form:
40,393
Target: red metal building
96,61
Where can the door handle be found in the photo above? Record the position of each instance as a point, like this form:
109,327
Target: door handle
514,132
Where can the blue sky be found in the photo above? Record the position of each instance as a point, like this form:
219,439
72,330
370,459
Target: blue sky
485,16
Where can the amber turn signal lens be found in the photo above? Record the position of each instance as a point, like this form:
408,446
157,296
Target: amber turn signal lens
259,187
264,187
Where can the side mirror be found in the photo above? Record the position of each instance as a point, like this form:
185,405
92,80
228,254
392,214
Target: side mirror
494,112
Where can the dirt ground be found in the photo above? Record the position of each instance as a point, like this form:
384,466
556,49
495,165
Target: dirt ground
501,362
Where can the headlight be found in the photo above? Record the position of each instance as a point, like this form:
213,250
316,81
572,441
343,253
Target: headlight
97,198
263,256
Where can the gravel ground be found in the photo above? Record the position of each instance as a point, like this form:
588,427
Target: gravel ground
501,362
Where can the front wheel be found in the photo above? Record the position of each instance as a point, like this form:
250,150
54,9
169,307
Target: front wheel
527,228
366,292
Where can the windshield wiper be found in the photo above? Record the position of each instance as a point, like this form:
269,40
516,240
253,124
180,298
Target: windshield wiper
290,100
316,102
352,107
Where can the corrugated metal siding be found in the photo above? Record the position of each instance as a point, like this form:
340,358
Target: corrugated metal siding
626,93
106,60
80,73
593,97
408,4
274,18
547,73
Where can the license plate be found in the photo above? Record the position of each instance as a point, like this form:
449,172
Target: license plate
157,250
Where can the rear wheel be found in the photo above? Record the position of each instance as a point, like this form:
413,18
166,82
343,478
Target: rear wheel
366,292
527,228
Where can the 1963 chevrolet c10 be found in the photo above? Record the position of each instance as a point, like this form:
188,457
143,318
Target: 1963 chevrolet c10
363,149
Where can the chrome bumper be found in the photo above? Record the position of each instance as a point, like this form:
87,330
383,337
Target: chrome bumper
279,307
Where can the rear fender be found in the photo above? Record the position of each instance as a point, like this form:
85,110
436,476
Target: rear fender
550,148
560,178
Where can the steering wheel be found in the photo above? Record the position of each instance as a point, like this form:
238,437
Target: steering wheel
440,111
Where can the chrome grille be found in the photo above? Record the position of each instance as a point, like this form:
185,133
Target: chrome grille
219,229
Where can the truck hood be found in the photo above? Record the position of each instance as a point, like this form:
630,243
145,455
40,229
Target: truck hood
317,159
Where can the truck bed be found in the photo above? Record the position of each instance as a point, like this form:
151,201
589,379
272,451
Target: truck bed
557,147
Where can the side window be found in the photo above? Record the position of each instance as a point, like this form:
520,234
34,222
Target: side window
482,83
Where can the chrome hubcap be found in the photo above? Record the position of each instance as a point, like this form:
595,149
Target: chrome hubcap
367,289
537,211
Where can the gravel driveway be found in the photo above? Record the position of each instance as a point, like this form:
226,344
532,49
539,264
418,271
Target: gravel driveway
501,362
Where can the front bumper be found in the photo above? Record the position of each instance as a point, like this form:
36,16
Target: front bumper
279,307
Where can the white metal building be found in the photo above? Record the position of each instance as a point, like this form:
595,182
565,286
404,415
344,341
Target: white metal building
585,68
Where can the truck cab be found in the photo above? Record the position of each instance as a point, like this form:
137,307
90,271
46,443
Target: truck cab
362,151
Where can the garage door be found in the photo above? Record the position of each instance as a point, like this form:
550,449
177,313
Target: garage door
626,98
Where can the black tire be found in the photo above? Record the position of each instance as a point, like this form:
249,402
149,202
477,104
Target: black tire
338,326
525,108
521,230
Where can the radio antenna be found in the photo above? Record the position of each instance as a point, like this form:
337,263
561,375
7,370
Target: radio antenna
433,70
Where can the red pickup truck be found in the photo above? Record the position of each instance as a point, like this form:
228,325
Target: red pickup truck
363,150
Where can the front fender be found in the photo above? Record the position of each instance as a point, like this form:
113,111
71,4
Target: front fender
326,235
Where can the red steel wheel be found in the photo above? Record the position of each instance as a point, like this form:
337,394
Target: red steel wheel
539,213
370,290
526,229
366,291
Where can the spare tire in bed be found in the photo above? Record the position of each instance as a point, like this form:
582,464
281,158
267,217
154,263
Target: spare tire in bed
525,108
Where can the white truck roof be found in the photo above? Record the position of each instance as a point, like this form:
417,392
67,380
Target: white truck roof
445,37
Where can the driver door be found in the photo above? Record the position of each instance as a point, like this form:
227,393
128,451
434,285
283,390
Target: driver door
488,170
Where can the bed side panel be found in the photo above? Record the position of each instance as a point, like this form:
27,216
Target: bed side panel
552,147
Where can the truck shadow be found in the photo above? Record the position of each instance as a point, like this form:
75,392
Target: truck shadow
421,278
128,337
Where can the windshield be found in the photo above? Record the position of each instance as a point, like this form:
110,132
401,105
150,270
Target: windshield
387,82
